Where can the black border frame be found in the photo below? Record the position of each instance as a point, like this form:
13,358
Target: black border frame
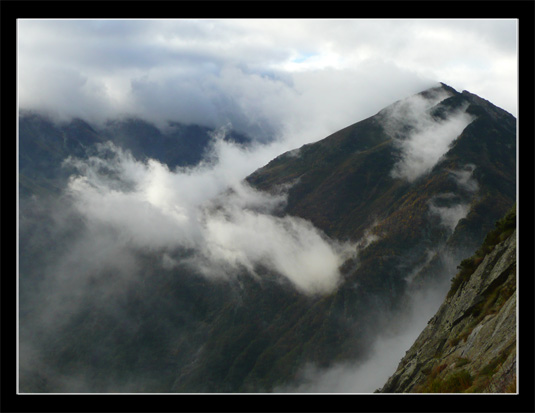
524,11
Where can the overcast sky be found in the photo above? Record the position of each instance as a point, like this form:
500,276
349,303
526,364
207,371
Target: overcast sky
306,78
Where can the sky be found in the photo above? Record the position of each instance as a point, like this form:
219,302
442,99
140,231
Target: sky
303,78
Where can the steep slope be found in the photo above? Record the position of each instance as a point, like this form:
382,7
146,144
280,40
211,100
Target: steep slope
469,345
346,185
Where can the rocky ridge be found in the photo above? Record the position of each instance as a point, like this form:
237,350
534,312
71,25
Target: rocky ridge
469,345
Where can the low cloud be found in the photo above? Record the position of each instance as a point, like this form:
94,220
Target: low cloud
465,179
450,216
421,138
289,246
450,207
228,225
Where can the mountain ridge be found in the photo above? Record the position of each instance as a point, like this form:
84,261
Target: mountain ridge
257,333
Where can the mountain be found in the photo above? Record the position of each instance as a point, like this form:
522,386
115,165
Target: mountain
414,189
469,345
343,184
44,145
357,161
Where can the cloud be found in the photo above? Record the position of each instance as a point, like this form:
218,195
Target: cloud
451,208
289,246
265,77
228,225
450,216
421,138
464,178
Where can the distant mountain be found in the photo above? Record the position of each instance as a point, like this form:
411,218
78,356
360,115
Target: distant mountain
44,145
415,187
178,145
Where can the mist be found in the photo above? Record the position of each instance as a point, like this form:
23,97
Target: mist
421,138
207,209
387,349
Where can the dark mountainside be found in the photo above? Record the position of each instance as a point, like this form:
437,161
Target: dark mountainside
44,145
178,332
469,345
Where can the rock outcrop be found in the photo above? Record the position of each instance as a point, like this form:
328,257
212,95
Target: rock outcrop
470,343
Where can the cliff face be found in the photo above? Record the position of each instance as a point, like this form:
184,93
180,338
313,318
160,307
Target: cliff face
470,343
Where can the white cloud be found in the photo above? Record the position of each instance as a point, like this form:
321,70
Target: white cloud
207,209
289,246
421,138
261,75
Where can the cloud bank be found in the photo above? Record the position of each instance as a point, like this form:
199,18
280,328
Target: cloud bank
226,225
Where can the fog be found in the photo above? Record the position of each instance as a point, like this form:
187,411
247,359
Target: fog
395,339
